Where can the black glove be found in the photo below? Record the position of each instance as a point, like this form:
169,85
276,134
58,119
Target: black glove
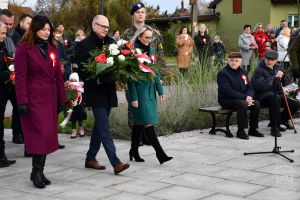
60,107
23,109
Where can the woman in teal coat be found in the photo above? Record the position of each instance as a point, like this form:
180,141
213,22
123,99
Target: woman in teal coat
142,101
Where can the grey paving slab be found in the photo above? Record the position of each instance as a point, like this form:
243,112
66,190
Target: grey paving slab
223,197
140,186
234,188
180,192
275,194
129,196
83,192
192,180
239,175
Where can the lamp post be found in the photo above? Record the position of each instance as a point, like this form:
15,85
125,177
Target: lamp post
194,15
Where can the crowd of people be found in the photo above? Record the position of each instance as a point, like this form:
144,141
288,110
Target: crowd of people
42,62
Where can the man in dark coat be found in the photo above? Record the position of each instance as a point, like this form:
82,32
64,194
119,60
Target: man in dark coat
5,93
100,94
22,27
267,78
235,92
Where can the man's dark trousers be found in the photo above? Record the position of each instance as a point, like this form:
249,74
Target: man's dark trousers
270,103
241,107
100,135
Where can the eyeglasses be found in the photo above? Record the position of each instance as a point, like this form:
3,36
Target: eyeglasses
102,26
147,38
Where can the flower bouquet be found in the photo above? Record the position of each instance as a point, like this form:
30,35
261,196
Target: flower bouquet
12,75
122,62
292,90
74,92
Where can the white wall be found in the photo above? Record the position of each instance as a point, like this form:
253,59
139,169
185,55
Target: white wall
3,4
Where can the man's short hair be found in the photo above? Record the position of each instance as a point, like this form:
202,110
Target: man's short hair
6,12
235,55
247,26
58,24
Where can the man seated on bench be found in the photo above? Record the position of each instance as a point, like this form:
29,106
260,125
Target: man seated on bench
236,93
266,77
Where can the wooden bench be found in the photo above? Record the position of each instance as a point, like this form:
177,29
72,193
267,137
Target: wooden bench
218,110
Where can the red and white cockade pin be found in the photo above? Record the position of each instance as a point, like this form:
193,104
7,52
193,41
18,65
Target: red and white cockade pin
245,79
52,56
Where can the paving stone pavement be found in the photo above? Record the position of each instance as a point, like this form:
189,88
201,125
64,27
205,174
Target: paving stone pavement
205,167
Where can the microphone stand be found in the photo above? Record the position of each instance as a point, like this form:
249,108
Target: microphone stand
276,149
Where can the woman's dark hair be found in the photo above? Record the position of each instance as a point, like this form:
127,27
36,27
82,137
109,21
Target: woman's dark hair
38,23
247,26
115,31
180,32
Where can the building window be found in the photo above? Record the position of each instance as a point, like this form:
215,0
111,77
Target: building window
237,6
293,20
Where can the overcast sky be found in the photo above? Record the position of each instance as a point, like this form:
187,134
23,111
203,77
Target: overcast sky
169,5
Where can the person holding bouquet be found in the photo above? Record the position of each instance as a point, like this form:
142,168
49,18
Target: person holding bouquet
40,94
79,112
142,101
100,94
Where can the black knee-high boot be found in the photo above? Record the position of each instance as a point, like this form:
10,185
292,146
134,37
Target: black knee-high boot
44,178
135,140
37,165
160,154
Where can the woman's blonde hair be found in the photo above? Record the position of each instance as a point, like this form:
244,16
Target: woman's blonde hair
79,32
286,31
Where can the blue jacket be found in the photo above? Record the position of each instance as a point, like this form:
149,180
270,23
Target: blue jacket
233,85
263,80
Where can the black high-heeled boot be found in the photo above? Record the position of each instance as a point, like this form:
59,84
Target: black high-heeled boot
160,154
44,178
35,177
135,139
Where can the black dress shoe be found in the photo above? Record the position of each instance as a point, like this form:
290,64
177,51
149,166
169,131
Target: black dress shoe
281,128
288,125
275,132
17,139
61,146
242,135
6,161
255,133
3,164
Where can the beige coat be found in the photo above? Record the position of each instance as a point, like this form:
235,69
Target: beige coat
185,49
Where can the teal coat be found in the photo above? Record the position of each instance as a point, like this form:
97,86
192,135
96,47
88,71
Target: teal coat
145,93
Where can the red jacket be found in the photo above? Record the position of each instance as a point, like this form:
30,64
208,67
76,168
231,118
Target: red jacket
261,39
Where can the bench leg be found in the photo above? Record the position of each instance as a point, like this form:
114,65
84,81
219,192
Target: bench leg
228,132
214,123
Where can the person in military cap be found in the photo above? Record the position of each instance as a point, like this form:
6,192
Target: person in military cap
138,13
267,78
235,92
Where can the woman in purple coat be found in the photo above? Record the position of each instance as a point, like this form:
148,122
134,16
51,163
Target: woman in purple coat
40,92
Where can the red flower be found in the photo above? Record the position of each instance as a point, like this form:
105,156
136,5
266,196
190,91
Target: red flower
12,76
129,45
125,52
101,58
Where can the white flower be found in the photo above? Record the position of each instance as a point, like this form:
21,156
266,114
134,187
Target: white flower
113,46
114,52
121,57
110,60
138,51
11,68
121,42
